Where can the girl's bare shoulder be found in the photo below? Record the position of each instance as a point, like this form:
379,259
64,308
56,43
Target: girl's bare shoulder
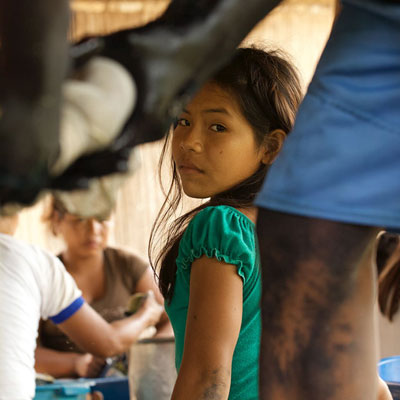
249,212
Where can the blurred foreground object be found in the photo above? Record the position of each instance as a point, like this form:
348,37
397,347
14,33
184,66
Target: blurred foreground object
96,104
173,56
33,61
93,113
169,59
100,198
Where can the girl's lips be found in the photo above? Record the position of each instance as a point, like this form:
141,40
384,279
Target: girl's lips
188,166
185,169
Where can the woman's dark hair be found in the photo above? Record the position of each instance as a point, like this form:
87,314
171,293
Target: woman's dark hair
268,91
388,263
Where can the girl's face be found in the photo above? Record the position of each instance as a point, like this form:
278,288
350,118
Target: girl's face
83,236
213,146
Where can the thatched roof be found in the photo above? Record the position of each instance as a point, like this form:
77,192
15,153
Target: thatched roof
91,17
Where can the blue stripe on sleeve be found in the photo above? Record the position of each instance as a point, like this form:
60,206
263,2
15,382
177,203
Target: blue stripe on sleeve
69,311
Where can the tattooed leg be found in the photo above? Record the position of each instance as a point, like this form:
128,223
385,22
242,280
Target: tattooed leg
317,308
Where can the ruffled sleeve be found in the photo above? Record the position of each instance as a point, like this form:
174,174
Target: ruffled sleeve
223,233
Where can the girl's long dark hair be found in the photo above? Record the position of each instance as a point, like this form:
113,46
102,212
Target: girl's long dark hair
268,91
388,263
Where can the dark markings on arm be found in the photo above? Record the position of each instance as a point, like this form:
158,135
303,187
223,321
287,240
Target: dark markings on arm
216,389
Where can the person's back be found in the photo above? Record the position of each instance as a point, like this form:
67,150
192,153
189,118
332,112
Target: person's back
32,285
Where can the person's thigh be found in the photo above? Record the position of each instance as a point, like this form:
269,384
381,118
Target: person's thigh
317,309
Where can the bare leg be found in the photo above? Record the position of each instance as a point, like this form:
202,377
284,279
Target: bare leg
317,307
33,60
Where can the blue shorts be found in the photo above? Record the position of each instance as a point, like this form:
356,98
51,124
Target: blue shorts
342,160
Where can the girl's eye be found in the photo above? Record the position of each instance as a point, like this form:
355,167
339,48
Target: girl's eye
218,128
182,122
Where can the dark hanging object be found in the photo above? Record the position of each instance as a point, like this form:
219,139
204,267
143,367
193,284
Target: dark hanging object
169,59
33,59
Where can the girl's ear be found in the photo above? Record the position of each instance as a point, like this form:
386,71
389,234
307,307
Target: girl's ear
272,146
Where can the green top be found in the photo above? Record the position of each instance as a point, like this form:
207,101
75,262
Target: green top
228,235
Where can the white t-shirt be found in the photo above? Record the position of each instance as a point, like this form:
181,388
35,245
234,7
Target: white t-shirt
33,284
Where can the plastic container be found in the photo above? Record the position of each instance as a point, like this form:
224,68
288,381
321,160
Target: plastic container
112,388
389,371
152,372
63,391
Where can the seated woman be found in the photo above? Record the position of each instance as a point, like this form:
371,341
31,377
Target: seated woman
107,277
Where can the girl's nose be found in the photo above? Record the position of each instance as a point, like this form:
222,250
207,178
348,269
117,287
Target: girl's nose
192,140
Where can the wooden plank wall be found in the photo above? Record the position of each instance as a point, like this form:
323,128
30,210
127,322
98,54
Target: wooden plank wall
300,27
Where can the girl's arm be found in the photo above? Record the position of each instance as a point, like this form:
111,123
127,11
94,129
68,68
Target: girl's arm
93,334
212,329
146,283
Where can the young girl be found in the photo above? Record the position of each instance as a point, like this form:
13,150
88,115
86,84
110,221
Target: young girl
222,145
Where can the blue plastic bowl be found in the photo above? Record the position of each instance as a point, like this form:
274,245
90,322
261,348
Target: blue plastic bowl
112,388
389,371
63,391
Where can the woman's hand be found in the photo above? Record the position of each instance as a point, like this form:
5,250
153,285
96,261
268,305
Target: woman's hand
92,333
88,366
152,309
146,283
